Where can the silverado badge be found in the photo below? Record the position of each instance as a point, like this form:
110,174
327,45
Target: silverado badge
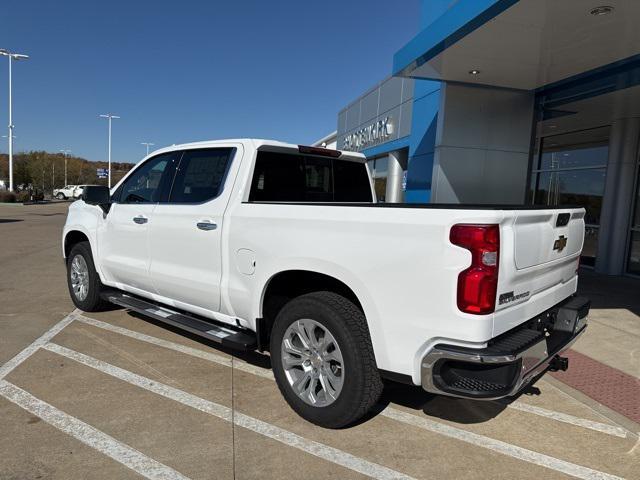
560,243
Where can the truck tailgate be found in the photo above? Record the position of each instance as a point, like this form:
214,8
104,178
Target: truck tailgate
542,237
539,251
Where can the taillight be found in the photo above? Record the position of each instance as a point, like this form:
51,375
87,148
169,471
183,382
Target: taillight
477,285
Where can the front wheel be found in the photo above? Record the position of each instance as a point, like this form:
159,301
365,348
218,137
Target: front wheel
60,196
84,283
323,360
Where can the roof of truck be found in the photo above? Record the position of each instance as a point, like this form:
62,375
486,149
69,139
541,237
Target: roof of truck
257,143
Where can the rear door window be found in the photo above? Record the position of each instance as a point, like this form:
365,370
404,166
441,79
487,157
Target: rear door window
284,177
200,175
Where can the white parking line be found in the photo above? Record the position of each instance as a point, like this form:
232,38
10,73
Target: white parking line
514,451
289,438
570,419
265,373
118,451
194,352
286,437
39,342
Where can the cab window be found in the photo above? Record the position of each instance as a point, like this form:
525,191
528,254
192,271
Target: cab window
284,177
200,175
146,184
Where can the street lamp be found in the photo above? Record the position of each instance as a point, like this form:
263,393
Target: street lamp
7,137
110,117
12,56
147,144
65,153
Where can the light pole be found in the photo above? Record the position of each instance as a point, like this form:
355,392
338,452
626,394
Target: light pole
7,137
147,144
12,56
110,117
65,153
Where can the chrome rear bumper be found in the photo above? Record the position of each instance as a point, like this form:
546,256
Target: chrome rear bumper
510,362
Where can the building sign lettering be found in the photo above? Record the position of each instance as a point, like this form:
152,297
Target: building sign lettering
372,134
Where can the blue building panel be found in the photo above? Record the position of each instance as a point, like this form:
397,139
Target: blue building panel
422,141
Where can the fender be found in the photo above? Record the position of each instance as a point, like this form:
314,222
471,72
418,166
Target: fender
338,272
81,215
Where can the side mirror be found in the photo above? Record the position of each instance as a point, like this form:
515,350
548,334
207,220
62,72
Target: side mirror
97,195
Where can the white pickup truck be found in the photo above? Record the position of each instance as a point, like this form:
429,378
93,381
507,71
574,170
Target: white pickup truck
283,248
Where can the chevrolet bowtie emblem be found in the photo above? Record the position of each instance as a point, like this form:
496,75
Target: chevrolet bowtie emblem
560,243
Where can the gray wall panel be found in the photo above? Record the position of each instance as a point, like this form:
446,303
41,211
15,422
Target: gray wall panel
369,106
394,114
353,116
482,145
387,99
342,121
406,113
390,94
486,118
407,89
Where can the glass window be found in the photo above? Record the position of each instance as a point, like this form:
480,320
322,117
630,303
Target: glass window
280,177
318,179
381,166
634,253
379,169
380,186
572,171
633,265
572,187
147,182
577,158
590,246
636,217
350,182
200,175
579,149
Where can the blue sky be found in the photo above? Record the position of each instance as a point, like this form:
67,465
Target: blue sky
179,71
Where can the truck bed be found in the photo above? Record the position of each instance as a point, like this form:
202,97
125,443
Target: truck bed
432,206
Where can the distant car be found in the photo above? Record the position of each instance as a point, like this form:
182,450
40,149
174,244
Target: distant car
65,192
79,189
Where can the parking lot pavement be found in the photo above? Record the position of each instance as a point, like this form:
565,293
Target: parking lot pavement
111,395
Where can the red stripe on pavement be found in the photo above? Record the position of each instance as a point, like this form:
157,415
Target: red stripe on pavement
608,386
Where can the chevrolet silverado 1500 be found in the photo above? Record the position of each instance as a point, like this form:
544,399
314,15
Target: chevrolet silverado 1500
283,248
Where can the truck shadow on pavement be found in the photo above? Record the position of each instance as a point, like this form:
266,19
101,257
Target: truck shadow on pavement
458,410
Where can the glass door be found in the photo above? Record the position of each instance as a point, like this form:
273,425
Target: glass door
571,170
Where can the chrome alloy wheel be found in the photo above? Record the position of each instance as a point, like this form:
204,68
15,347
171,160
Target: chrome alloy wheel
312,362
79,277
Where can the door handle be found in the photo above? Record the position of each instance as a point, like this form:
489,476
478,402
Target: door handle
207,225
140,220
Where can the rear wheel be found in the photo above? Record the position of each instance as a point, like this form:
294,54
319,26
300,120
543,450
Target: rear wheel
84,283
323,360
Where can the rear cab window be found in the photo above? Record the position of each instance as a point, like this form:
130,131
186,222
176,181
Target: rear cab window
290,177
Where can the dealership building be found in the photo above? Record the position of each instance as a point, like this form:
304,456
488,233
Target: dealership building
514,102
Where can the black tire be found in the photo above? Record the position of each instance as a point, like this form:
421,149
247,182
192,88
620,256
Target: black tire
362,384
93,302
60,196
